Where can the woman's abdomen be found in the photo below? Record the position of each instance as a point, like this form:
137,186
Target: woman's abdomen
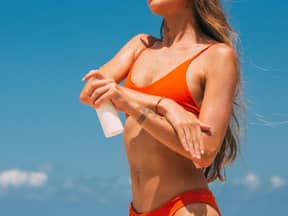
148,158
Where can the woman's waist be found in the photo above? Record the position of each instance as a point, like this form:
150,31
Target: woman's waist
166,176
164,168
147,179
149,163
147,185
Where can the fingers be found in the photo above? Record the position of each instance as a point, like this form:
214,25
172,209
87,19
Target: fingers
190,141
95,84
182,137
98,92
200,140
194,141
88,75
92,73
204,126
102,98
189,133
187,137
90,87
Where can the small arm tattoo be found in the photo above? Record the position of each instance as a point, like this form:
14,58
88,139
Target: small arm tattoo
145,111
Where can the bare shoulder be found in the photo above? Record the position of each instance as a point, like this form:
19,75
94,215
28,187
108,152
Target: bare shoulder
222,51
143,40
132,47
222,60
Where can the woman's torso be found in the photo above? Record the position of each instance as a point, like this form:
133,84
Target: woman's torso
158,173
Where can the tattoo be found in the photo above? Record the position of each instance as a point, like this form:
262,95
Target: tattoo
145,111
117,96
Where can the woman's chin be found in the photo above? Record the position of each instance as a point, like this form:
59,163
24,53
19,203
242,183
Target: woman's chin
157,9
165,7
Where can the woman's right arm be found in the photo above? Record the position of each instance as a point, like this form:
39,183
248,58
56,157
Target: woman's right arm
117,68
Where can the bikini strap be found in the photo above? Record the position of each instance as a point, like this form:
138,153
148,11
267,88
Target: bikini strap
199,53
139,53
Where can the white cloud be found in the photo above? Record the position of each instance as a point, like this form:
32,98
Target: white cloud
37,179
277,181
16,178
250,180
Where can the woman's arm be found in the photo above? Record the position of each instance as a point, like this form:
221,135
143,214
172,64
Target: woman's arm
181,120
159,127
119,65
215,109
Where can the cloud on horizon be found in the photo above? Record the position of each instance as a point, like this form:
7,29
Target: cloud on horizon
104,189
250,180
277,182
19,178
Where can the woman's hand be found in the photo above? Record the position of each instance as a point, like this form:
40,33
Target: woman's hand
99,89
187,126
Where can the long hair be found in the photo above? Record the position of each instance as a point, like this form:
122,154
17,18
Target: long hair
211,20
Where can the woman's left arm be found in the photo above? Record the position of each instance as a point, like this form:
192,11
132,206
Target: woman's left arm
221,83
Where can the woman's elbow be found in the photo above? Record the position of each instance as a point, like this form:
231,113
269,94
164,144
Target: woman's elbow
206,159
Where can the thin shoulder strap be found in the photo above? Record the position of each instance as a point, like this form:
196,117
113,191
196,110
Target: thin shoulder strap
139,53
147,45
195,55
200,52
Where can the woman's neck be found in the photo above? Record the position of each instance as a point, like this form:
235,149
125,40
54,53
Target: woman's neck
180,29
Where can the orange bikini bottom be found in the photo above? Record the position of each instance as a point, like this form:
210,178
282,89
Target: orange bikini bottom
180,200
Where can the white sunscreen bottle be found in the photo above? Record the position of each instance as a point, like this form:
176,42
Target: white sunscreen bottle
109,119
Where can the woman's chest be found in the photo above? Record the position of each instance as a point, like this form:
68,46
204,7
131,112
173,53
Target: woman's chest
159,76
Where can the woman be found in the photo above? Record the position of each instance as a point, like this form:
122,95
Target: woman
178,98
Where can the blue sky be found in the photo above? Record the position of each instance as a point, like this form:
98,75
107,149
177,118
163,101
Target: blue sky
54,159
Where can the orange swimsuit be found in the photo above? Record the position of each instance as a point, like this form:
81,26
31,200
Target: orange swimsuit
173,85
178,201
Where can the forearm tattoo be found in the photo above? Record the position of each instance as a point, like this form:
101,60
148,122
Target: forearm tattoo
145,111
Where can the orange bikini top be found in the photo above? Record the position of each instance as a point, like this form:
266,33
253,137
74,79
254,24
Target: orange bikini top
173,85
